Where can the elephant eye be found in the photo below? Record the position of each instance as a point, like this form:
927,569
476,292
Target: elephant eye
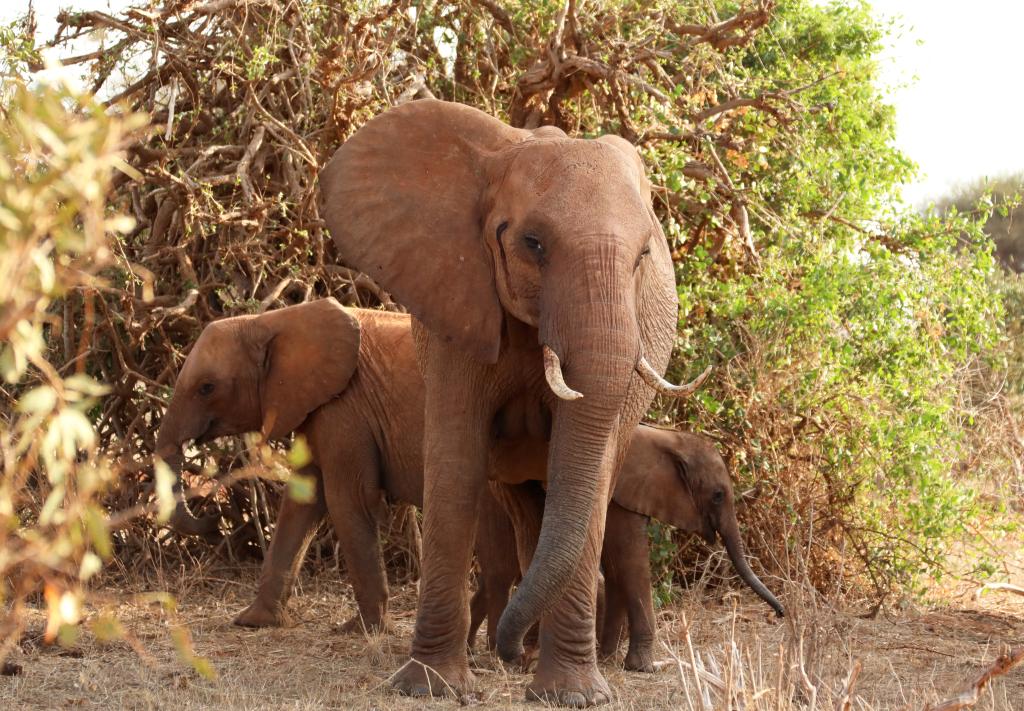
640,258
205,389
718,497
533,244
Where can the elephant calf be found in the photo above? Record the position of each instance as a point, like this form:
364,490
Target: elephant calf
347,380
678,478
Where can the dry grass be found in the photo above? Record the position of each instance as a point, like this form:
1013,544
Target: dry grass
915,658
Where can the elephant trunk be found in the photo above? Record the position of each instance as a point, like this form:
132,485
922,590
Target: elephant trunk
730,533
581,461
168,447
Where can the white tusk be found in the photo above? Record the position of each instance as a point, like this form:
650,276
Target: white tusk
664,387
553,374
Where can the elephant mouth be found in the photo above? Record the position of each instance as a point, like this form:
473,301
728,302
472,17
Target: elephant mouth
207,435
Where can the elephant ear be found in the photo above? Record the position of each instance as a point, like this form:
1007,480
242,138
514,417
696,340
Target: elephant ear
403,200
309,353
649,484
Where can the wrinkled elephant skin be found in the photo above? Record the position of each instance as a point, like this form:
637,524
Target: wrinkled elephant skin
545,307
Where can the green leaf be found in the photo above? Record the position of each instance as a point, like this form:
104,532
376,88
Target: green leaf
38,400
99,534
91,564
107,628
302,488
165,480
86,385
299,455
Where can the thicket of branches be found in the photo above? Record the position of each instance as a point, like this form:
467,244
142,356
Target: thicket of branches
770,153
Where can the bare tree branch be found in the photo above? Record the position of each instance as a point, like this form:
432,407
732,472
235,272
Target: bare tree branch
970,696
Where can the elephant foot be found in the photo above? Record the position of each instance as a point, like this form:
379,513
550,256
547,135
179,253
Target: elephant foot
417,678
260,615
640,661
576,687
357,625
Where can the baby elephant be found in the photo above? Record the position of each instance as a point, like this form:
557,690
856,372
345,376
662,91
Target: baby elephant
347,380
676,477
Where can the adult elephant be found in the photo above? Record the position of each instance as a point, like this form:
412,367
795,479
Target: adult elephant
545,307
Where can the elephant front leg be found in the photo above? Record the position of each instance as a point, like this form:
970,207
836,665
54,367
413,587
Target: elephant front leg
626,558
455,463
614,617
499,567
296,524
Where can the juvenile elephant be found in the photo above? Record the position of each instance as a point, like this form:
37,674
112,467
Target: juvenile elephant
347,380
676,477
545,310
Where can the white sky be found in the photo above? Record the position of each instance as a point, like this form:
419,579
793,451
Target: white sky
954,71
963,117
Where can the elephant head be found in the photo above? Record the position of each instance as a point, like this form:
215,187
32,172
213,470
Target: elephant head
475,226
680,479
261,373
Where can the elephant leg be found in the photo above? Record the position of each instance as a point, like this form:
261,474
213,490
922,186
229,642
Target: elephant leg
567,672
614,615
455,474
477,610
296,524
355,507
523,507
627,555
499,567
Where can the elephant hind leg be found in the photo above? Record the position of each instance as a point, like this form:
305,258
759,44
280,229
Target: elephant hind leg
352,489
296,524
477,611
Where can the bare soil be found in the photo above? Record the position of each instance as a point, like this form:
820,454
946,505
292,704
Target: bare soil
908,660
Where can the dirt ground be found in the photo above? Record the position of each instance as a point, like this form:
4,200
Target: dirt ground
908,660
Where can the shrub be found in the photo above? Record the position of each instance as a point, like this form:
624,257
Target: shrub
842,329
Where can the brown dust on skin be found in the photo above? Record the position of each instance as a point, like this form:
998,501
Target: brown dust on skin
917,657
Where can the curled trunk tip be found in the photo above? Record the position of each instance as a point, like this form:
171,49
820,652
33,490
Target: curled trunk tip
739,561
182,520
186,523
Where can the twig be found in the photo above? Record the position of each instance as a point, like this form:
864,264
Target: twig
968,697
242,171
183,307
738,212
274,294
1003,587
845,699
